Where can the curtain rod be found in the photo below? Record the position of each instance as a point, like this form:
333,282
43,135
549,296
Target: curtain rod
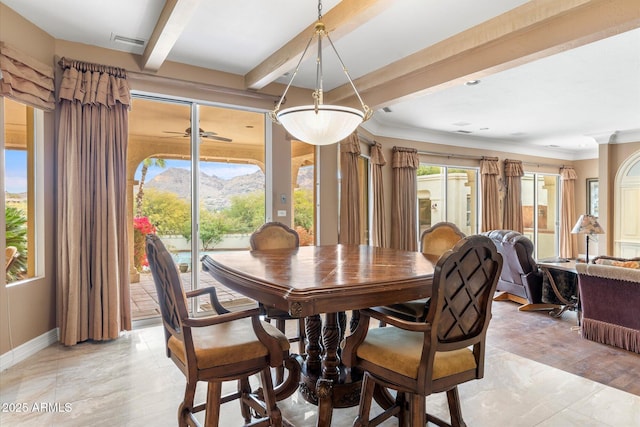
460,156
467,156
546,165
364,139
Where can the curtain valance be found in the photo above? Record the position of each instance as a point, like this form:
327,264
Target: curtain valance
567,173
88,83
513,168
26,79
405,158
376,154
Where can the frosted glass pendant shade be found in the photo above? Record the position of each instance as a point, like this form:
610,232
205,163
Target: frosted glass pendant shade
328,125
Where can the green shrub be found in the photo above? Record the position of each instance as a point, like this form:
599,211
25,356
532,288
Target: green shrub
16,235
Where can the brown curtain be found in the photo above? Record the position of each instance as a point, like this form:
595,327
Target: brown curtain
93,281
568,217
25,79
379,231
349,191
490,194
404,226
513,219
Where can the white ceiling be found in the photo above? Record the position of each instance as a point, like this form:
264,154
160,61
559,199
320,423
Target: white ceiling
556,106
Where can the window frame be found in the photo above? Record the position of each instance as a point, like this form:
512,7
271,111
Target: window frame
35,189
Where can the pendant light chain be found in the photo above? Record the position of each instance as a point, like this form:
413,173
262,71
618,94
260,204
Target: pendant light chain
320,124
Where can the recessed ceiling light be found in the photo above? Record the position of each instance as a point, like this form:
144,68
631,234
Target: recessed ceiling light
553,146
484,128
472,82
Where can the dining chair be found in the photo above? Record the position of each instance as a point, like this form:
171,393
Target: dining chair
276,235
434,241
420,358
216,348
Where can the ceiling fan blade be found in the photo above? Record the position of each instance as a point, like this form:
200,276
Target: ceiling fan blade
207,134
219,138
168,131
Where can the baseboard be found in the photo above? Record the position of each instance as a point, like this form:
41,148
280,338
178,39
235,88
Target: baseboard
27,349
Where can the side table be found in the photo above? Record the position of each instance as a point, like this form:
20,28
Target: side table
553,266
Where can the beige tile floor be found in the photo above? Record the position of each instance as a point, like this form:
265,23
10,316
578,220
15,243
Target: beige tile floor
130,382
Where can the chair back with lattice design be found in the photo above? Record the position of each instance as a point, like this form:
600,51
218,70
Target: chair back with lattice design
171,297
274,235
465,279
439,238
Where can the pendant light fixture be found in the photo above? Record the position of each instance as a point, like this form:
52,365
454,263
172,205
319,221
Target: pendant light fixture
319,123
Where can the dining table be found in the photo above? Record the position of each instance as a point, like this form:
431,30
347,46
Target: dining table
321,284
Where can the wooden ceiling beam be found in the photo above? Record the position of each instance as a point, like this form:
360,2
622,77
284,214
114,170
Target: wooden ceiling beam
174,18
345,17
535,30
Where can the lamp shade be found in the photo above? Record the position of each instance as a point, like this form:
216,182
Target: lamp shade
322,124
587,224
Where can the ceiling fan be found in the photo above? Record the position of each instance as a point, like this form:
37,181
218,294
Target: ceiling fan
203,134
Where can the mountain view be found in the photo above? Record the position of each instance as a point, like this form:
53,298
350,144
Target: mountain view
215,192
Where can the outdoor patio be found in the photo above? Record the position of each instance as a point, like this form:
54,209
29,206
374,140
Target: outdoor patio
144,299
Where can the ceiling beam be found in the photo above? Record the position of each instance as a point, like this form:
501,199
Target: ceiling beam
342,19
175,16
535,30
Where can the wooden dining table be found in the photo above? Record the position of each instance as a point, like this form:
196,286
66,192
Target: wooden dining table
311,281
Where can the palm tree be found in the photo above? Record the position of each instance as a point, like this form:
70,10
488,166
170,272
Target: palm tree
16,235
146,163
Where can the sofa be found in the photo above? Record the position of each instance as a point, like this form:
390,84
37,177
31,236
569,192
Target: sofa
610,298
520,280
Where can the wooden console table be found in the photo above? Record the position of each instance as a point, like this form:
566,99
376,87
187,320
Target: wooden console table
311,280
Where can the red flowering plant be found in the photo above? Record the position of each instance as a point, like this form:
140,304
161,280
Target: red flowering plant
141,227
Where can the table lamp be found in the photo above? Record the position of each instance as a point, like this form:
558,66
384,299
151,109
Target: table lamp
587,224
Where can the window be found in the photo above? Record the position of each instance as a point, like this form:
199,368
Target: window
540,206
304,194
212,177
364,177
447,193
23,145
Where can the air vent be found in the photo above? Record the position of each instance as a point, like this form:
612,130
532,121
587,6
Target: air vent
386,109
128,40
463,131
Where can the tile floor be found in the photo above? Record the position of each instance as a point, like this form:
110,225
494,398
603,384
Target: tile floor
130,382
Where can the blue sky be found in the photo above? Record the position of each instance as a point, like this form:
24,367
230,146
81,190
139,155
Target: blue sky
15,171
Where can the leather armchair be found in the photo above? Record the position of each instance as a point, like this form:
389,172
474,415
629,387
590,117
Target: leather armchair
520,280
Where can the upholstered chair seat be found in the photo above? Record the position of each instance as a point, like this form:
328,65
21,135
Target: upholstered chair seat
227,344
400,351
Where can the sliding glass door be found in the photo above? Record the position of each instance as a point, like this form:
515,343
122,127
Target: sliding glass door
197,179
540,201
448,194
